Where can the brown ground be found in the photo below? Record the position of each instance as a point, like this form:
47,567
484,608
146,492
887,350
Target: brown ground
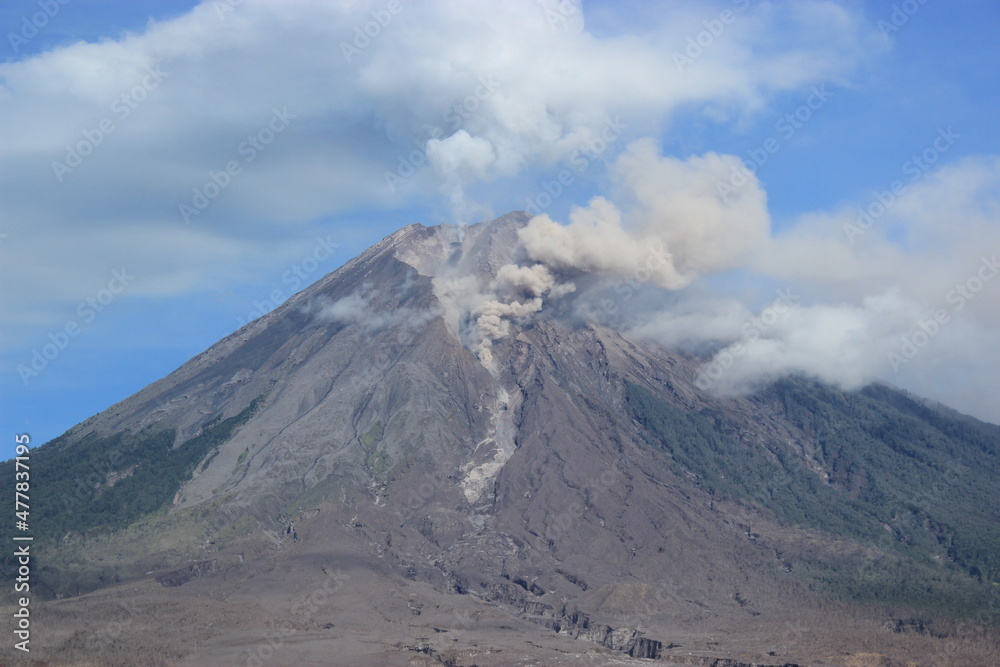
290,606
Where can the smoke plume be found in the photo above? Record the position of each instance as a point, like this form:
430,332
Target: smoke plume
677,226
847,311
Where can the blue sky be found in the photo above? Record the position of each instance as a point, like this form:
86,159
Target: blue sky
489,102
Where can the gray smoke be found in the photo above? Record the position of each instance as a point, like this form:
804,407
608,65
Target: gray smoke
677,227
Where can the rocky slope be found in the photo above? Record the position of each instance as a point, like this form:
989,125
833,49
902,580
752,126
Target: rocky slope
574,483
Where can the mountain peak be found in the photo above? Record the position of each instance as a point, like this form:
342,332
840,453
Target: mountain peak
479,249
412,420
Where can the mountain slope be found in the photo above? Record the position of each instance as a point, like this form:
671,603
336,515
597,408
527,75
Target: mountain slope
469,462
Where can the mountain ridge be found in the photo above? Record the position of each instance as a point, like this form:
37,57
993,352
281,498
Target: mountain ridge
574,478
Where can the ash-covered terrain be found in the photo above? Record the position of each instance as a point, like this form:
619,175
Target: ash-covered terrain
453,450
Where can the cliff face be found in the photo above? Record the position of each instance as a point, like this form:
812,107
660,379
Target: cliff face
572,477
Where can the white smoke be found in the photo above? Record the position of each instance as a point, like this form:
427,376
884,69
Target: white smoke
854,310
677,215
358,309
706,227
595,241
907,302
535,281
679,226
492,322
517,293
861,310
843,344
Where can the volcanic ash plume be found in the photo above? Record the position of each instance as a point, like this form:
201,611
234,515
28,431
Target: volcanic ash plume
680,225
536,281
684,211
596,242
493,317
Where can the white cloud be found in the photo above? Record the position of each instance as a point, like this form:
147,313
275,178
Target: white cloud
931,238
450,94
480,90
363,309
678,225
913,301
842,344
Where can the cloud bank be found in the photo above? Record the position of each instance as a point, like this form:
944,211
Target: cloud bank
851,311
272,120
381,109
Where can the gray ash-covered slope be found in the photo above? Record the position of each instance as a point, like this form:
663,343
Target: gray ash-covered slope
578,479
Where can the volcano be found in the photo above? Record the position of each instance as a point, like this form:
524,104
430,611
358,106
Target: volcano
433,456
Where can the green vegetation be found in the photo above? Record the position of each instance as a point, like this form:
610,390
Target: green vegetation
328,491
771,479
211,457
902,476
372,437
108,483
899,581
934,475
376,461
